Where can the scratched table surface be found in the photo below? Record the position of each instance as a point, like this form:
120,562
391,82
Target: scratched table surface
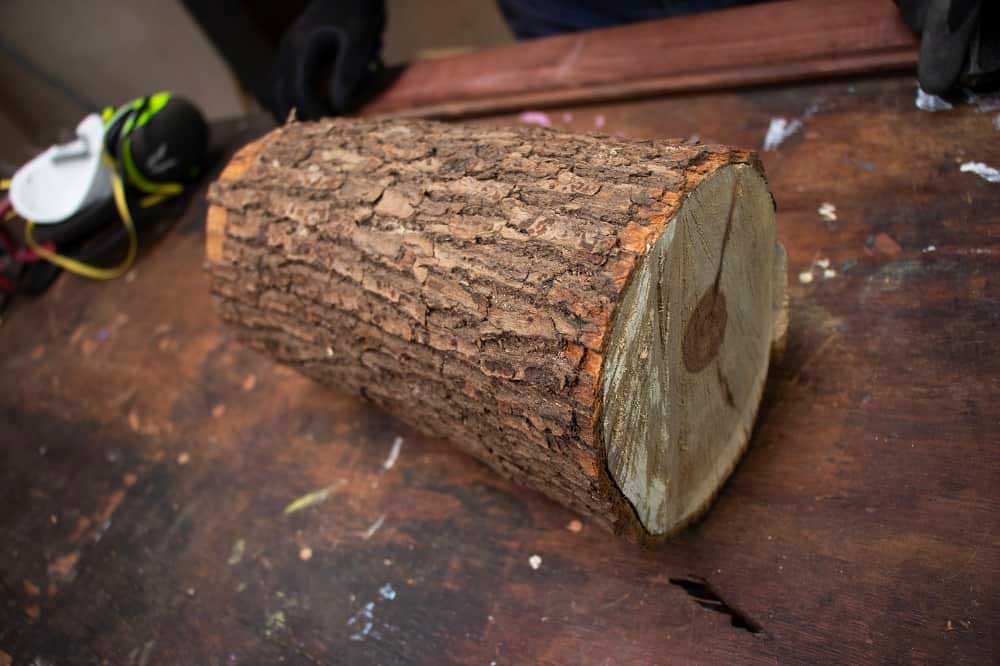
169,497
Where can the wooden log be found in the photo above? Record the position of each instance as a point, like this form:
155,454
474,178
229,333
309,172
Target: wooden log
592,317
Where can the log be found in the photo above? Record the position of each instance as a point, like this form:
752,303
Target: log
592,317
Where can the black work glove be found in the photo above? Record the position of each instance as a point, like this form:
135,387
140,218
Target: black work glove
326,57
959,43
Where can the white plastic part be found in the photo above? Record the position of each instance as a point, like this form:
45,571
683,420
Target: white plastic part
65,178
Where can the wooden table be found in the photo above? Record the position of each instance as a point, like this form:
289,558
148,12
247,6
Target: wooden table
147,459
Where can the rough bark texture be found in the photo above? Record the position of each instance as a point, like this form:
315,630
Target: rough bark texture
464,278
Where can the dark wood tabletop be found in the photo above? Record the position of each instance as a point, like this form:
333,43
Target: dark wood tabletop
150,465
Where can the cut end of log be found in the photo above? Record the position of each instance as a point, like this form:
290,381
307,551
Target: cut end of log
684,369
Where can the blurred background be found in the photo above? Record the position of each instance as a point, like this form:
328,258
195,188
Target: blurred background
55,71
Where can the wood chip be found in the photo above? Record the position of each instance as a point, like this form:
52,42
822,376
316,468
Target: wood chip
236,554
120,320
82,525
133,420
309,499
827,211
887,245
64,567
393,456
249,382
373,528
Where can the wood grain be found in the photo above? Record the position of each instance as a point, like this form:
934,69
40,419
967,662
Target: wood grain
685,365
792,40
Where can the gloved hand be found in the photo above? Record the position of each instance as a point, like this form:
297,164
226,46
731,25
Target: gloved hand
326,57
959,44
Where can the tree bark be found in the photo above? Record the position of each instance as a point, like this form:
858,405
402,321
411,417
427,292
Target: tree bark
550,303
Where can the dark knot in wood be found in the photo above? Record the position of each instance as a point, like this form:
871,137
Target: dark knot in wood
704,331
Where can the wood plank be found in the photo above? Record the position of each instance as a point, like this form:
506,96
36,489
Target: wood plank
136,455
792,40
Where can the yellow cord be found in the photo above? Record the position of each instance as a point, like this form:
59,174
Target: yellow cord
86,270
156,193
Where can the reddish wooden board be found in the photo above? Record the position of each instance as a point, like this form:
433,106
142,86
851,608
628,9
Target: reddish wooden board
139,446
791,40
